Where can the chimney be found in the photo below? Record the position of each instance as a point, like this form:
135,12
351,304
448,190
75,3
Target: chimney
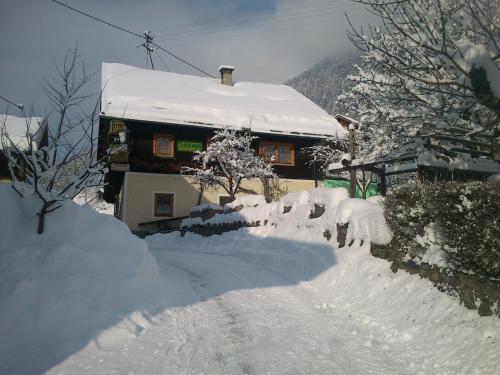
226,74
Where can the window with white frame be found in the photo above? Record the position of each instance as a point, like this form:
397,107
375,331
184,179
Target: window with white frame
164,204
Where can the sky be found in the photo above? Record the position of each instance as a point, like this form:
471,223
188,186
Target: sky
266,40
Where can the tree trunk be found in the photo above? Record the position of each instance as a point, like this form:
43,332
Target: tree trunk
41,219
383,181
231,188
352,172
201,194
353,179
267,189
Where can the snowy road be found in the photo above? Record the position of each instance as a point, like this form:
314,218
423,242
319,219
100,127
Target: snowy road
272,330
269,330
233,310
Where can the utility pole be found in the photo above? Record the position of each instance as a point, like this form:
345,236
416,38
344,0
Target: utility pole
148,45
352,171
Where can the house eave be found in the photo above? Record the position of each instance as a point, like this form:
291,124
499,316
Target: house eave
221,126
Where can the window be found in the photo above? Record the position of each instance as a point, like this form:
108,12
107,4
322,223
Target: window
164,204
163,145
117,126
277,153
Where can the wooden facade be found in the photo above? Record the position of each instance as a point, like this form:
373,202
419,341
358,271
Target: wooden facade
145,154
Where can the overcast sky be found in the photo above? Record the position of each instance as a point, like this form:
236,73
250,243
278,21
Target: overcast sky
267,40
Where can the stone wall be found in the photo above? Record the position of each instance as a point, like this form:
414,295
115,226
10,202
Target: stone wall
474,292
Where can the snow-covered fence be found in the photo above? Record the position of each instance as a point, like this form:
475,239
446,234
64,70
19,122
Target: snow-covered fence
245,211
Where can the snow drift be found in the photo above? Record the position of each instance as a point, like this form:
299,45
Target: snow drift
85,279
365,217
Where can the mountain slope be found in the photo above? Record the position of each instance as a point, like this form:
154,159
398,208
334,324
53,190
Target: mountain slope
325,81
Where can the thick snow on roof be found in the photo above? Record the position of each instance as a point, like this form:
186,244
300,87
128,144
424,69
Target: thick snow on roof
15,129
138,94
460,162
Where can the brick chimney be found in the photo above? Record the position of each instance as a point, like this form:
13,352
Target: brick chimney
226,74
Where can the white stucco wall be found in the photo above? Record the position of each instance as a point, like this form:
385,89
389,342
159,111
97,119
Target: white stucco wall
137,196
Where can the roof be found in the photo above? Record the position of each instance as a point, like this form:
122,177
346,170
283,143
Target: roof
347,119
150,95
226,67
15,129
461,162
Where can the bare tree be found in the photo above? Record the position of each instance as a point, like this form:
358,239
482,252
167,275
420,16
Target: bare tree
432,65
227,161
69,163
364,183
328,151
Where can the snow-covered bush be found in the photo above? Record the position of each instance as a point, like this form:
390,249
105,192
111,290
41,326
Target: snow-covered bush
408,213
469,222
455,225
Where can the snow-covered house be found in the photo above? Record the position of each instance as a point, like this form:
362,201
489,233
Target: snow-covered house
21,132
164,117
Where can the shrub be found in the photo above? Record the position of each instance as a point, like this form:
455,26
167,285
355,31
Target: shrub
464,216
408,212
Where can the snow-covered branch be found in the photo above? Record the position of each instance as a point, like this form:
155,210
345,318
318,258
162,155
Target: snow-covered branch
328,151
432,64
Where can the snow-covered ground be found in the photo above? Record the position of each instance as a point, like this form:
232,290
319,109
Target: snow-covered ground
90,197
284,300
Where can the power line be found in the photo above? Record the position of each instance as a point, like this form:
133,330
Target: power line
310,13
162,61
260,31
180,59
20,106
307,5
98,19
135,34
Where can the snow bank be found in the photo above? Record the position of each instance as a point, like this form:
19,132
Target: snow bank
247,200
85,279
366,221
408,316
91,197
295,198
365,218
328,197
